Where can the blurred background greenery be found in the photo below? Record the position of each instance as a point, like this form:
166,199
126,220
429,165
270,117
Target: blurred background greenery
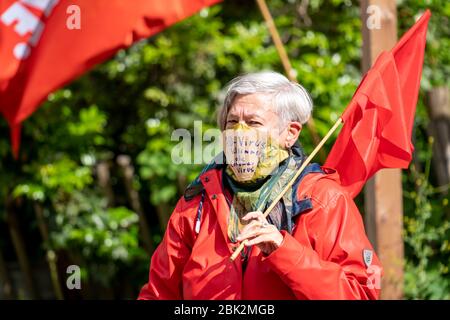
95,183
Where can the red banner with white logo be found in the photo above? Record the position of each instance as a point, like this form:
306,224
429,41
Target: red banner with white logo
44,44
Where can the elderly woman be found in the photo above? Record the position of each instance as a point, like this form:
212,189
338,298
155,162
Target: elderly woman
312,245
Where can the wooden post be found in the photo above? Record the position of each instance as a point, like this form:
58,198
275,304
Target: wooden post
124,162
19,247
438,107
6,285
383,193
52,258
104,180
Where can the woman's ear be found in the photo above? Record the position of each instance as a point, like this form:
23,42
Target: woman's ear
293,131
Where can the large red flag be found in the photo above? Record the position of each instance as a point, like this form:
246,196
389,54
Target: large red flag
44,44
378,121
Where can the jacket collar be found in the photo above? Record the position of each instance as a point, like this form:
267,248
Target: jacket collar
212,184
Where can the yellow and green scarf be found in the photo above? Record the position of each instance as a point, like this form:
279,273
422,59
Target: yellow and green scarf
259,194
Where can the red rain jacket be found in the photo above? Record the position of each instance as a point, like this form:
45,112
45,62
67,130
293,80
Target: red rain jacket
322,259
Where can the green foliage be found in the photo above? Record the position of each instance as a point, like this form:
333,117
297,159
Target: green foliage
100,239
132,103
427,212
426,235
105,239
436,69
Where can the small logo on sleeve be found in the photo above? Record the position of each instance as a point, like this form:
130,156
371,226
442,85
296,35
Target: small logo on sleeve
367,257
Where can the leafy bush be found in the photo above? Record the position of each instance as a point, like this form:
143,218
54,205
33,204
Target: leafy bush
131,104
426,235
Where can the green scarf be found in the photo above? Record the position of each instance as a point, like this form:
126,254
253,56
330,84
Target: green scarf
259,195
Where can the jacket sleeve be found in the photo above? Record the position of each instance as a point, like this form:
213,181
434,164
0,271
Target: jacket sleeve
333,266
168,260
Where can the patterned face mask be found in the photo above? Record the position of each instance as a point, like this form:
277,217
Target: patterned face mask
251,153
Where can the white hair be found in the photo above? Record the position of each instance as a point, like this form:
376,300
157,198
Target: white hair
289,99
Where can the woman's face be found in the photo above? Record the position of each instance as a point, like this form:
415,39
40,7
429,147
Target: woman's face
256,111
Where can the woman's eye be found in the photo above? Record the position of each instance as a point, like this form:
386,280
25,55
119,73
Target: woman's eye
255,123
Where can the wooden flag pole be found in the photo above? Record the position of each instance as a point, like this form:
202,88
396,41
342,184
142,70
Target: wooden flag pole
291,182
277,40
290,72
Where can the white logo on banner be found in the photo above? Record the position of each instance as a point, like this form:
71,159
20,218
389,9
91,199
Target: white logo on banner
26,23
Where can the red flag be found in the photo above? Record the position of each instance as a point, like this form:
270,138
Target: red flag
379,119
44,44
